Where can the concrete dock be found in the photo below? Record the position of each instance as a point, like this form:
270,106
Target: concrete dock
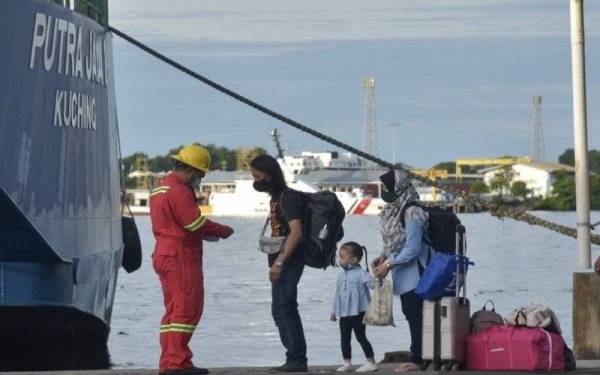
584,367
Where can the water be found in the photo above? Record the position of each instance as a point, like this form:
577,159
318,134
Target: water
515,264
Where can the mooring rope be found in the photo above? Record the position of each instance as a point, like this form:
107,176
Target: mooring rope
496,209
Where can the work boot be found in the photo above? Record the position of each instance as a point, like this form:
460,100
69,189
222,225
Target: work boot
290,367
186,371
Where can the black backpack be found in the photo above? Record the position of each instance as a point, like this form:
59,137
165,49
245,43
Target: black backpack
321,228
441,231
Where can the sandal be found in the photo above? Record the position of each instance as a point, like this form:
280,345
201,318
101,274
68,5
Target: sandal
407,366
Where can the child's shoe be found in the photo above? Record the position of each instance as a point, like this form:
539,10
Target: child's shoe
368,367
347,366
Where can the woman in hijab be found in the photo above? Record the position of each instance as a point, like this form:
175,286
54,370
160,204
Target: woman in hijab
406,253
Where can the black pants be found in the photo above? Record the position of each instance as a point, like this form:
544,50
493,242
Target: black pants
349,323
412,308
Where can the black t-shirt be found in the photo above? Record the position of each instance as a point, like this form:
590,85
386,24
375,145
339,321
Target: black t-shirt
291,206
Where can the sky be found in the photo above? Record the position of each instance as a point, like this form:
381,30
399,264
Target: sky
459,75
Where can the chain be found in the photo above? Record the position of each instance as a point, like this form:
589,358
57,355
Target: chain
498,210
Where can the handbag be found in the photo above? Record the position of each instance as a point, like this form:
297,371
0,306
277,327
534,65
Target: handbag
267,244
439,278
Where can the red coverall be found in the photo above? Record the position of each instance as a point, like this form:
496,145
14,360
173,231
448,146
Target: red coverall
178,227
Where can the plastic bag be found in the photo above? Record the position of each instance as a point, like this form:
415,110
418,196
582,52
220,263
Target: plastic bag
379,312
439,278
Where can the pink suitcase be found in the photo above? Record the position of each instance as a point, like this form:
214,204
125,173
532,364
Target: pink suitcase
515,348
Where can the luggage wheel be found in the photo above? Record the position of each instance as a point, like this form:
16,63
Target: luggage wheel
430,366
451,366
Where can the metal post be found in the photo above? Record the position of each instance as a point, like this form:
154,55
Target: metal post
580,130
394,126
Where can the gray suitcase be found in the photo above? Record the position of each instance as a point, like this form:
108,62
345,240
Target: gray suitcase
446,321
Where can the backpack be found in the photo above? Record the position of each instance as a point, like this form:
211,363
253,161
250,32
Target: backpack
441,229
321,228
484,318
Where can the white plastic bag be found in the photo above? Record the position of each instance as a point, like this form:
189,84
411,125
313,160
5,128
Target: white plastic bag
380,312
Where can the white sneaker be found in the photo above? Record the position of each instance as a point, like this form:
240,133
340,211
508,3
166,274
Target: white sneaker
368,367
345,367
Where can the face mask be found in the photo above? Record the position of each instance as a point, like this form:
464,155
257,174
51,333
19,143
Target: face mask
348,267
194,180
388,196
261,186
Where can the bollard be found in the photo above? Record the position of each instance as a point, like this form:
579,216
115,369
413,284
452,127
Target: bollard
586,315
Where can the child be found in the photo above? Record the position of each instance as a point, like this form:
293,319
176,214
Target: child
350,303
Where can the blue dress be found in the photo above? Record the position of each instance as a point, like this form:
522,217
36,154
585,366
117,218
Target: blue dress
352,292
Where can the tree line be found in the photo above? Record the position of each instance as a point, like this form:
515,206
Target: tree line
222,158
563,189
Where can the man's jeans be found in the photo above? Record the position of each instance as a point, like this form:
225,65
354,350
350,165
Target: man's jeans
284,307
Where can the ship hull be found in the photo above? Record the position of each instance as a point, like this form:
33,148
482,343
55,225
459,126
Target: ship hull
60,222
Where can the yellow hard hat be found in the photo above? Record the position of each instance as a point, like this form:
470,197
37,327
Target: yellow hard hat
195,156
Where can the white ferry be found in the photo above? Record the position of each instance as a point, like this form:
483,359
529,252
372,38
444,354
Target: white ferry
230,193
358,188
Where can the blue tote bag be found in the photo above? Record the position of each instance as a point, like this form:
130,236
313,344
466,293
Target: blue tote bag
439,278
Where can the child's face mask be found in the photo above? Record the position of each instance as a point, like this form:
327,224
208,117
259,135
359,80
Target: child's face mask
349,266
344,258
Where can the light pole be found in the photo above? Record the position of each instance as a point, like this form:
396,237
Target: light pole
580,130
394,126
585,284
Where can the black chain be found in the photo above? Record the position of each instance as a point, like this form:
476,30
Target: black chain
496,209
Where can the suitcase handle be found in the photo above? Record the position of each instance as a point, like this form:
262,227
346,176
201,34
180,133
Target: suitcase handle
461,250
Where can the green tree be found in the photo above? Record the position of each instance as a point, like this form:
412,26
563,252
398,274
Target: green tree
222,158
595,192
479,187
519,190
129,163
563,194
163,163
450,166
568,158
502,180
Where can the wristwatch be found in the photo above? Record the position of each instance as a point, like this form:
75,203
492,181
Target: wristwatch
279,263
387,264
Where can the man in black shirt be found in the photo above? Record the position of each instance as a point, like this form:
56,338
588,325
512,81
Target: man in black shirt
286,267
291,206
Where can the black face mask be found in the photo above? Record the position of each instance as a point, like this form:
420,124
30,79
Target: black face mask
262,186
194,179
388,196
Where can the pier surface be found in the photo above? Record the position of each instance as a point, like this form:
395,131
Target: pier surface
584,367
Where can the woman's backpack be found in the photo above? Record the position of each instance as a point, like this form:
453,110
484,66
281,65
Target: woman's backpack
321,228
441,227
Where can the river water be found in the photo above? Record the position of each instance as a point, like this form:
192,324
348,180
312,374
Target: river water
515,264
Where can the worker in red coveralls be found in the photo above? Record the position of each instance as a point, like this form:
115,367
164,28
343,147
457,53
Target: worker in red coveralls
179,228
